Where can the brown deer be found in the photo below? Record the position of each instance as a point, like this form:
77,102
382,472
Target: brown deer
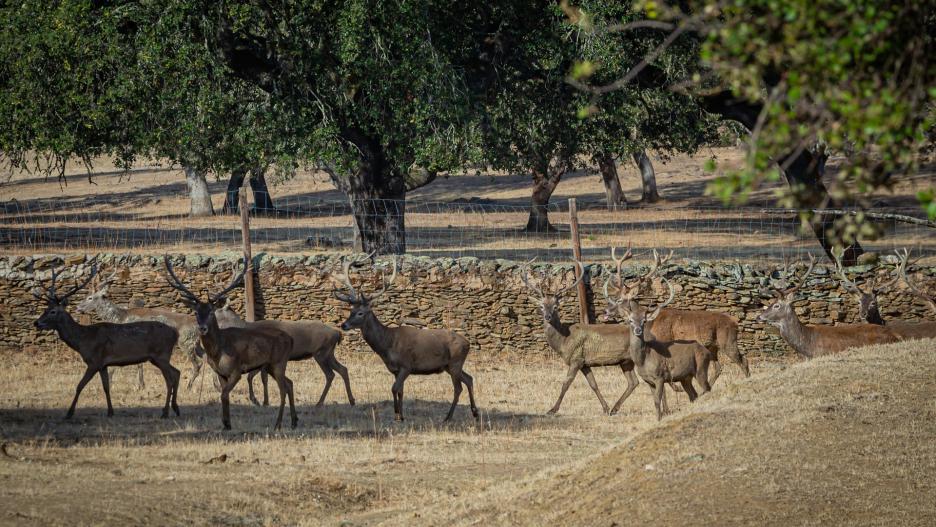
581,346
311,340
814,341
108,344
716,331
868,302
99,303
232,352
660,361
406,350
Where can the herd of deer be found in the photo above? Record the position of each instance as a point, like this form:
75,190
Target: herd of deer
659,345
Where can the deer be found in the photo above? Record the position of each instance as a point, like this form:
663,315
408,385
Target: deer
106,344
98,302
868,302
232,352
311,340
916,289
814,341
660,361
581,346
716,331
405,350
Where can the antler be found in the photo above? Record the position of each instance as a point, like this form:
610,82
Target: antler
79,286
581,276
672,294
383,279
849,285
658,263
525,275
345,279
234,283
915,289
176,283
618,265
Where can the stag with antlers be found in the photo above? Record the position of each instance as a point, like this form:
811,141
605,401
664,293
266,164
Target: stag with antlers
659,361
232,352
581,346
405,350
813,341
98,302
108,344
868,299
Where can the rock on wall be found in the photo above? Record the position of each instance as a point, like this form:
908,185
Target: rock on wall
482,299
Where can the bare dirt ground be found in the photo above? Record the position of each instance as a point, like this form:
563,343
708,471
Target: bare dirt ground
147,208
842,440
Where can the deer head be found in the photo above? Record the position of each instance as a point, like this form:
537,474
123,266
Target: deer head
780,311
866,297
625,294
98,297
204,308
637,316
55,314
539,290
361,304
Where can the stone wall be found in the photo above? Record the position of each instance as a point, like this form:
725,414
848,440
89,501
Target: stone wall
483,299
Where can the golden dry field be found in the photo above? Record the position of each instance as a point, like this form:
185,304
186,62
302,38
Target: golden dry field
841,440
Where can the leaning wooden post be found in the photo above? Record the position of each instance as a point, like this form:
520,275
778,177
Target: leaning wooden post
577,253
248,276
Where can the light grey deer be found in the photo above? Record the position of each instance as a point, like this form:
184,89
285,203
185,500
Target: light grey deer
99,302
311,340
406,350
868,299
659,361
232,352
108,344
581,346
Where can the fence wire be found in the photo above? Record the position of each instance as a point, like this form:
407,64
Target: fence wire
478,227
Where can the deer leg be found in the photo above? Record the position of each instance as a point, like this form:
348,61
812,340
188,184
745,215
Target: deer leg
397,390
469,382
266,389
590,377
250,390
743,364
105,383
632,383
702,376
88,374
457,387
197,362
329,376
141,384
658,397
285,388
717,370
570,376
170,375
339,367
690,389
226,388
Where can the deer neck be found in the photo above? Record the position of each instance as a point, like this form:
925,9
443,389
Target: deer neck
213,341
556,332
797,335
111,312
378,336
638,347
72,333
874,317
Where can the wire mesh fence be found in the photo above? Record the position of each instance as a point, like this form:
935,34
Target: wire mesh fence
476,227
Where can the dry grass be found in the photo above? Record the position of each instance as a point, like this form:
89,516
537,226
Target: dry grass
846,439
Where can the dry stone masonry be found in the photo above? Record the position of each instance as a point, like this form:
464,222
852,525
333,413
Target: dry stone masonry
484,300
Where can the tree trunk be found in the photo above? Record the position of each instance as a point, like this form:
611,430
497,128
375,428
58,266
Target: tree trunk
232,194
609,176
647,178
379,221
544,183
263,203
198,191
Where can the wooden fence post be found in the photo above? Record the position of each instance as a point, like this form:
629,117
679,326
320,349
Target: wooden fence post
249,308
577,253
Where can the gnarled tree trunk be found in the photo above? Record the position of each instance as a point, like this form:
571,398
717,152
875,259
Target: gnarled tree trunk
545,182
263,203
649,193
198,192
232,194
612,185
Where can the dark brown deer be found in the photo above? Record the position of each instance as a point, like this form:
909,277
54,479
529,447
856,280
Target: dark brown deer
581,346
107,344
406,350
232,352
311,340
658,361
814,341
868,300
99,303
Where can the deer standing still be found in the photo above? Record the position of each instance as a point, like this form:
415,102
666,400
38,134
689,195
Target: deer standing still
406,350
813,341
108,344
581,346
232,352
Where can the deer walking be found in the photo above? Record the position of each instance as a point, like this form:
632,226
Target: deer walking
406,350
99,303
108,344
311,340
581,346
232,352
813,341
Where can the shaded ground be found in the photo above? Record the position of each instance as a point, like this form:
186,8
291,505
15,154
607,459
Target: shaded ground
842,440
